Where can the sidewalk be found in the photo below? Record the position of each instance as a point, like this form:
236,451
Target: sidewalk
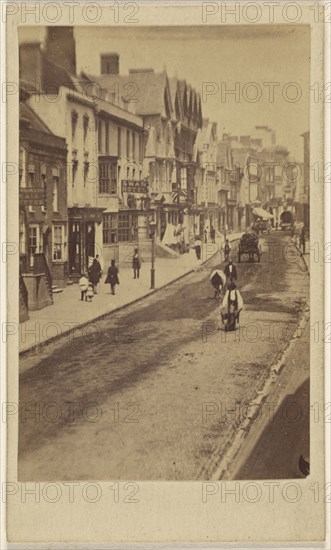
68,312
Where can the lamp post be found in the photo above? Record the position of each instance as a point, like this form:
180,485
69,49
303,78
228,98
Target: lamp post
152,226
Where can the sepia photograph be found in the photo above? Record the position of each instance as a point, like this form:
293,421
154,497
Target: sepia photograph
164,253
165,329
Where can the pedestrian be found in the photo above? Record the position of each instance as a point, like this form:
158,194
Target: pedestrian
136,264
212,234
231,307
227,250
230,273
217,279
90,292
197,247
303,240
95,272
112,277
205,234
83,285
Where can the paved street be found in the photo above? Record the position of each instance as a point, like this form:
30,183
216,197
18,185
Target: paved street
156,392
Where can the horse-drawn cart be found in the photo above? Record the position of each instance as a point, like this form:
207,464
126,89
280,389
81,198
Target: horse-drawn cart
249,248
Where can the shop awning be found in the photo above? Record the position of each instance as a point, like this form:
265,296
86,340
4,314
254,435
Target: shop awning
261,213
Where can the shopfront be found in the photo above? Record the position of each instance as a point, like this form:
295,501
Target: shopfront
82,244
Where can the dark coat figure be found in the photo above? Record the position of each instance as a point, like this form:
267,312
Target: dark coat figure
197,247
230,272
94,273
112,277
136,264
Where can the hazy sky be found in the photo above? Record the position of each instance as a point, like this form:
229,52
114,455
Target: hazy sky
218,59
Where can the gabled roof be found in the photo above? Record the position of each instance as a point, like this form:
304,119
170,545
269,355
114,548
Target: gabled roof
148,90
31,119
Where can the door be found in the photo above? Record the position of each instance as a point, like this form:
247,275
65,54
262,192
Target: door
89,241
74,247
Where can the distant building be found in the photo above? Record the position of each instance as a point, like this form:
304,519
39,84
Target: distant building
206,175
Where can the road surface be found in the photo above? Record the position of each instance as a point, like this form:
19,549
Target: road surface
156,392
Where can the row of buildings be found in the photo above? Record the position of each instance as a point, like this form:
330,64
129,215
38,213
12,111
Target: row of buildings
109,161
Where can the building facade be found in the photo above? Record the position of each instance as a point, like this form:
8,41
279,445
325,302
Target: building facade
43,228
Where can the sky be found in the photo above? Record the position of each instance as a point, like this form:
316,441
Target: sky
269,67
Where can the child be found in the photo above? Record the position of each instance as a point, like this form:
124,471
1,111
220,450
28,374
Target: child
83,285
89,293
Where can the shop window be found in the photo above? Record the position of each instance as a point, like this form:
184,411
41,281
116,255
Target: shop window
58,243
109,229
127,227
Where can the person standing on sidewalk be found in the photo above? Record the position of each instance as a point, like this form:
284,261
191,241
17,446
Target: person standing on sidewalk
136,264
95,274
83,285
303,241
197,247
230,272
112,277
227,250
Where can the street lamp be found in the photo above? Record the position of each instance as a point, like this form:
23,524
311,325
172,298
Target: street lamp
152,227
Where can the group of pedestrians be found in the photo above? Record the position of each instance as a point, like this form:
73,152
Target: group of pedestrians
89,281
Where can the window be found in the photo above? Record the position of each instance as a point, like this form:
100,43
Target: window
58,243
22,232
113,178
119,138
269,174
100,144
33,239
107,137
127,143
104,177
31,176
108,178
133,145
55,194
140,149
127,227
109,228
22,167
183,178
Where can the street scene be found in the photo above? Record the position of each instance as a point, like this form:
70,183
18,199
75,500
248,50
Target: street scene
164,244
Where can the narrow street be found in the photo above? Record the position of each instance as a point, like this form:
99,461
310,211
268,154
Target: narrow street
156,392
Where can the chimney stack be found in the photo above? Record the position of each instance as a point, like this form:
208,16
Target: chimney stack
110,63
30,63
61,47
